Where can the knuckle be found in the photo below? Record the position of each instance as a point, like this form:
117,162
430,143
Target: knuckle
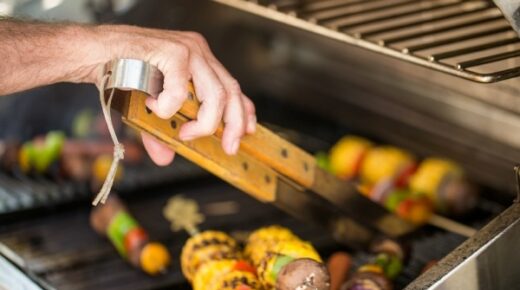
236,129
165,109
197,37
252,107
241,129
220,94
209,128
248,103
164,112
182,50
236,123
234,88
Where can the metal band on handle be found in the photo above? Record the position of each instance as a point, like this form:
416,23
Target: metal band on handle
133,74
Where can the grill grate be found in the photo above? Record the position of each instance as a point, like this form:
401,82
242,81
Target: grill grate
20,194
84,260
466,38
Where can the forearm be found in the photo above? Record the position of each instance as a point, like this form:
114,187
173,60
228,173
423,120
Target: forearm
36,54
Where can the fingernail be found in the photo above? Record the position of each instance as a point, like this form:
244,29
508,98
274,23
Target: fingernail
234,147
149,102
252,124
186,137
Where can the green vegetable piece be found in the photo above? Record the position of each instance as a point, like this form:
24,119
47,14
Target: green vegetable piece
280,262
322,160
391,264
395,198
82,124
382,260
50,152
394,267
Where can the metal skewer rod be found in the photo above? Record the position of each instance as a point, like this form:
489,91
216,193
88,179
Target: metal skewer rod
451,226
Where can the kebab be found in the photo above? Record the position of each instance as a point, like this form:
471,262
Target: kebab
382,172
209,259
368,278
284,261
207,246
347,155
40,156
444,183
385,265
56,157
389,176
441,180
416,208
130,239
216,274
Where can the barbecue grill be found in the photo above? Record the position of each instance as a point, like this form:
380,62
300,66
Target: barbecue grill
403,72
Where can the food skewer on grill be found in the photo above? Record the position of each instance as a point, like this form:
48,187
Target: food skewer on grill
284,261
368,278
441,180
391,177
209,259
57,157
39,156
213,260
386,264
130,239
279,259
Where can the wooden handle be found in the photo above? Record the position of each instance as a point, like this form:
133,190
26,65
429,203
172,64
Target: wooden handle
269,148
246,173
261,158
262,147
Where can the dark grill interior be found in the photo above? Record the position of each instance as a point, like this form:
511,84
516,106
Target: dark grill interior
64,251
469,39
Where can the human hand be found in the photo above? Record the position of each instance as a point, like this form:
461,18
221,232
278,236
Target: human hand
181,57
76,53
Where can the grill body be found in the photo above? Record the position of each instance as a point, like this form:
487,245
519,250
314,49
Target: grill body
324,70
366,70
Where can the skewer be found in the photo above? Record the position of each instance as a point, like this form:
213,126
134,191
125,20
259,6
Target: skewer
220,262
393,186
129,238
451,226
183,214
292,264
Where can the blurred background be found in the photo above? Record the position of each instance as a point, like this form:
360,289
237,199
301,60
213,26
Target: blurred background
307,87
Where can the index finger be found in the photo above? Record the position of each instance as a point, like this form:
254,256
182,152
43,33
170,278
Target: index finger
160,154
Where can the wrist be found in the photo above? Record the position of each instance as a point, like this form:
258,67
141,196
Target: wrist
82,53
106,42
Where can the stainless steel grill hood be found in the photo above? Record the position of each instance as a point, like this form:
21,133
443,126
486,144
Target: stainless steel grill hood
468,39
